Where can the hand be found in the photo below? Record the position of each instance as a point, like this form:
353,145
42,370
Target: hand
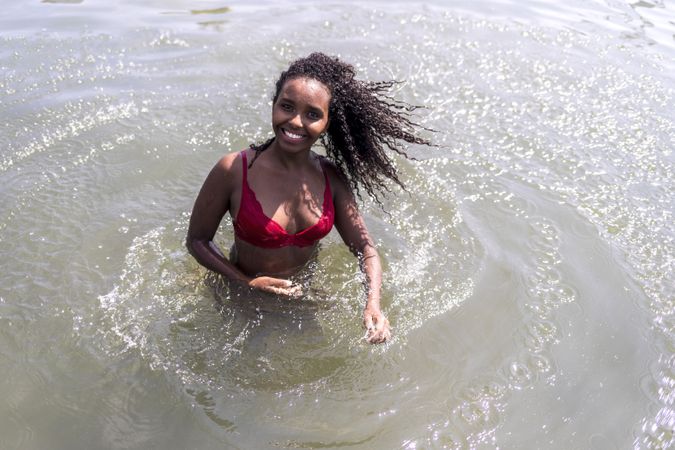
276,286
377,326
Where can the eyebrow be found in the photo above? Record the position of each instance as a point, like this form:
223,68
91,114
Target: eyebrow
288,100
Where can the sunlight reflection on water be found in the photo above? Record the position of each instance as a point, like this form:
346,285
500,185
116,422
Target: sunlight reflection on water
527,267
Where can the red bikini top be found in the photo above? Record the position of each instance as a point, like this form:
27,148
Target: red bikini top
254,227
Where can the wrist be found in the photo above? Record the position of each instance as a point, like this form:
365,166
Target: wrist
373,304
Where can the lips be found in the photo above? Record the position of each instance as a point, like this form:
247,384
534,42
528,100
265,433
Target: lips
293,136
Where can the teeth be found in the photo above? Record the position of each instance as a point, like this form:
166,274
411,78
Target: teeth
293,135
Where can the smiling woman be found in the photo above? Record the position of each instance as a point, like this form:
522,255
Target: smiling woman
291,198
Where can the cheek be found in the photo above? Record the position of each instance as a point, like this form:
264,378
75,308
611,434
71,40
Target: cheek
325,124
321,127
277,116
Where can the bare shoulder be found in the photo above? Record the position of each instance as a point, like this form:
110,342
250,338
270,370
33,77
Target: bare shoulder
228,169
230,162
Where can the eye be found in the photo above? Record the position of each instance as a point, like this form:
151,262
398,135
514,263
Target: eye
286,106
313,115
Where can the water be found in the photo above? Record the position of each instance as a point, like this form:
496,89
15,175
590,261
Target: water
529,266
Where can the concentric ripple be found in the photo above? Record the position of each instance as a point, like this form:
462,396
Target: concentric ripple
528,265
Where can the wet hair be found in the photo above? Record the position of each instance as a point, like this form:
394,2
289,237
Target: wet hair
363,121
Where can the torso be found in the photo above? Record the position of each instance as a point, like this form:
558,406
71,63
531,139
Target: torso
295,201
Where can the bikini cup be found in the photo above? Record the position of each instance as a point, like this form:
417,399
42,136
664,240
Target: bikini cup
253,226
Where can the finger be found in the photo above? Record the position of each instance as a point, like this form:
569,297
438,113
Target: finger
271,289
274,289
293,291
376,338
371,336
380,336
279,282
386,335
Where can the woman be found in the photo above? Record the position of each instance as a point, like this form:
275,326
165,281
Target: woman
284,198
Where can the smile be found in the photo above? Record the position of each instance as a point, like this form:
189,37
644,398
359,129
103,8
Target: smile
293,135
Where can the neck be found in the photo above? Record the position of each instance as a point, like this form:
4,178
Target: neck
289,160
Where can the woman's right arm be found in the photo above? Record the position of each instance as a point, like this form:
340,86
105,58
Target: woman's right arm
212,203
210,206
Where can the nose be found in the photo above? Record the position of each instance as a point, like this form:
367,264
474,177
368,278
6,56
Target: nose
296,121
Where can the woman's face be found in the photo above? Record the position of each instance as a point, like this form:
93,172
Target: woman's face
300,113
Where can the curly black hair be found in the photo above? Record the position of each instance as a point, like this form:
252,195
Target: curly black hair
363,120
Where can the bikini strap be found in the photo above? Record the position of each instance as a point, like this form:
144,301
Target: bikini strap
323,169
244,165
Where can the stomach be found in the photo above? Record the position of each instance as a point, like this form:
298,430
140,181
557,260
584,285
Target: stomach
275,262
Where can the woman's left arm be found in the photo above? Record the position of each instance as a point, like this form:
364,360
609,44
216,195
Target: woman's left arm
354,233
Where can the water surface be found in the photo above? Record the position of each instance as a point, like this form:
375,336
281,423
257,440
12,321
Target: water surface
529,265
